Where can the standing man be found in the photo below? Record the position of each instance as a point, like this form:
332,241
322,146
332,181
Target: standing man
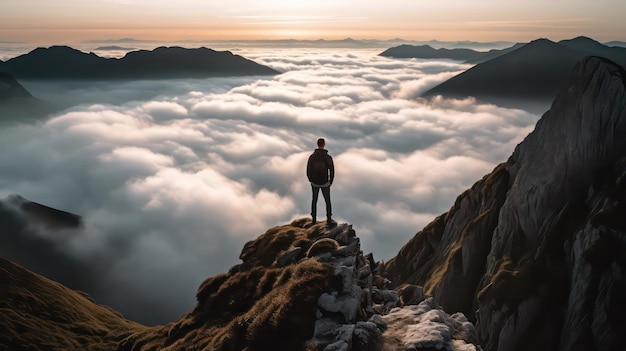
321,171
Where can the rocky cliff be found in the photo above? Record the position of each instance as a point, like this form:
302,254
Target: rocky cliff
535,252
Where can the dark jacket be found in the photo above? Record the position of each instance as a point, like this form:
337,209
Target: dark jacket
320,169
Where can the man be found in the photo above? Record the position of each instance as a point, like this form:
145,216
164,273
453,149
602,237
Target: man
321,172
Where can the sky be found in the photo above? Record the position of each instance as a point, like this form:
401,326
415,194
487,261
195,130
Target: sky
70,21
173,177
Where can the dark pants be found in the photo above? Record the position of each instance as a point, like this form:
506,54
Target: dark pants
326,194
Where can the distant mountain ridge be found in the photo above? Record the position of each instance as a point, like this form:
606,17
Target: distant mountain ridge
532,73
460,54
63,62
428,52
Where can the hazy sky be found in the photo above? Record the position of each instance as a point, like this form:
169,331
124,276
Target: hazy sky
67,21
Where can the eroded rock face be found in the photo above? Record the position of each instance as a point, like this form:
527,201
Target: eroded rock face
537,247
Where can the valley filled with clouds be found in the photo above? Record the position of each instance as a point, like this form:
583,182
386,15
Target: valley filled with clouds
173,177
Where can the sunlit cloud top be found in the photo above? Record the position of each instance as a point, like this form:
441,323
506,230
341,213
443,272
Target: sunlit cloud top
76,20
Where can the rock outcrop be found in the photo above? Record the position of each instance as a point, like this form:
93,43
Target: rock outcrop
308,287
535,252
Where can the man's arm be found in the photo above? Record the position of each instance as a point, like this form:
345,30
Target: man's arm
331,168
308,169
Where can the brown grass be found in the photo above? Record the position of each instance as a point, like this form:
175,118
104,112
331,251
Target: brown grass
252,307
39,314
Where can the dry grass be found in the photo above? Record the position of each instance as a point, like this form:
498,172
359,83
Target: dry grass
441,270
39,314
255,306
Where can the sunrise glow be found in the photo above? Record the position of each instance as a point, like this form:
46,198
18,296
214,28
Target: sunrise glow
44,21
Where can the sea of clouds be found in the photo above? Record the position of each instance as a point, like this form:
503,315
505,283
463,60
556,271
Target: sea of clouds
173,177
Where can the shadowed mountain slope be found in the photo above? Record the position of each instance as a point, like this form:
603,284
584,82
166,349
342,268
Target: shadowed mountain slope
46,216
528,77
39,314
63,62
537,248
16,103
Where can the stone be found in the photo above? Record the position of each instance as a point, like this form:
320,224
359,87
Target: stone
410,294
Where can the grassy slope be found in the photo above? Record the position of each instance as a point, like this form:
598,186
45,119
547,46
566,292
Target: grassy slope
39,314
257,305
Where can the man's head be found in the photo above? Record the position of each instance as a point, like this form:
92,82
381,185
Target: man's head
321,143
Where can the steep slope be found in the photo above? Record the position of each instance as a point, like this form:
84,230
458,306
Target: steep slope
10,89
528,77
39,314
17,104
538,247
36,237
63,62
48,217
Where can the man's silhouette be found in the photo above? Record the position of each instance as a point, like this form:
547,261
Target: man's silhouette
321,172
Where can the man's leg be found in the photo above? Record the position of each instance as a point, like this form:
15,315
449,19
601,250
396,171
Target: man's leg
329,208
316,192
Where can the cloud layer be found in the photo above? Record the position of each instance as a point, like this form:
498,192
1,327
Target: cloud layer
172,178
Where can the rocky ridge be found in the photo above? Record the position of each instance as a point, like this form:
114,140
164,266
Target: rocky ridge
310,287
534,251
